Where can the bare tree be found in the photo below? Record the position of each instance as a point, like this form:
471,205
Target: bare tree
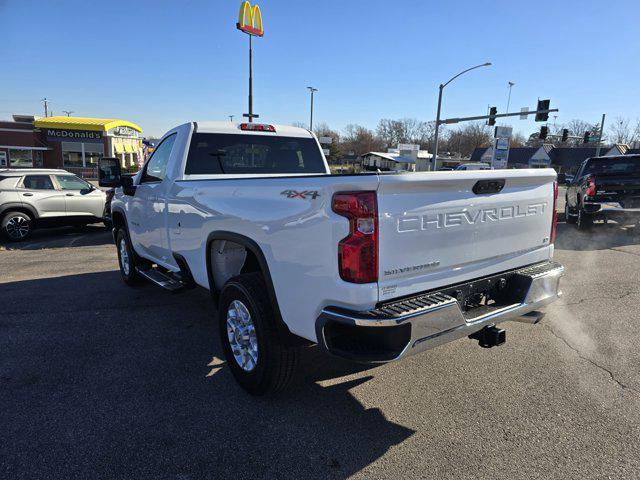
518,140
465,139
359,140
621,131
323,130
405,130
578,127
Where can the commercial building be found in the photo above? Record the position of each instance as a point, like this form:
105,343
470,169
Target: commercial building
403,158
72,143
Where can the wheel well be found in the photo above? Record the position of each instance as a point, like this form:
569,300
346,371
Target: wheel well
244,256
20,209
228,259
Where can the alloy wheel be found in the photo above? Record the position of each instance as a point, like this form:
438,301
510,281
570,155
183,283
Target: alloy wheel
18,228
124,257
242,336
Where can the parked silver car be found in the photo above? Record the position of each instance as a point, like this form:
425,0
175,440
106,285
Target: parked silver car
33,198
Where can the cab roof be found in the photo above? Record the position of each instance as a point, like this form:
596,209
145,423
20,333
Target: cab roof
234,127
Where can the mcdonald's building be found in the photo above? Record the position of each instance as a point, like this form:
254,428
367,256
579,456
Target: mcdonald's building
72,143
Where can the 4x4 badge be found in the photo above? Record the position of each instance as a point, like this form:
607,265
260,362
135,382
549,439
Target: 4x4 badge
303,194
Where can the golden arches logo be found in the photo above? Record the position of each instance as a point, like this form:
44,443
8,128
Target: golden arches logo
250,19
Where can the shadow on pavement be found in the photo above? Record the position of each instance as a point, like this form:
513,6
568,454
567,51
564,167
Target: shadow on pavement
98,380
599,236
62,237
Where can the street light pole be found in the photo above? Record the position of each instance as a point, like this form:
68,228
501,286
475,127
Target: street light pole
600,136
312,90
511,84
441,87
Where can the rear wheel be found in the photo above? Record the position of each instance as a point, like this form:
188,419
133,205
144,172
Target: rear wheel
127,259
17,226
584,220
260,355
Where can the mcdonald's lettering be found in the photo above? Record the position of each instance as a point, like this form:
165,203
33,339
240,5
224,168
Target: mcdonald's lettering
250,19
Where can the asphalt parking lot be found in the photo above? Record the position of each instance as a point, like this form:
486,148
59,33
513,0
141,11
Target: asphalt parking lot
98,380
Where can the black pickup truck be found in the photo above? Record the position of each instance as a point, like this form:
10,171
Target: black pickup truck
604,188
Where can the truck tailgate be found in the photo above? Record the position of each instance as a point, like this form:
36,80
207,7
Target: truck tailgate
435,231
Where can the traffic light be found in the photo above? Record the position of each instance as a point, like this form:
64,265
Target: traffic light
492,119
544,131
565,134
542,105
587,134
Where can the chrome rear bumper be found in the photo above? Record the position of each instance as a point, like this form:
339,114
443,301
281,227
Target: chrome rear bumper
406,327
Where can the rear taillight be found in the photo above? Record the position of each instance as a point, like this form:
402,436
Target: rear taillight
554,217
591,189
358,251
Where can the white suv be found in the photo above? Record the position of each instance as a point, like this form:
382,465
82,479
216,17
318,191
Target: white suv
38,198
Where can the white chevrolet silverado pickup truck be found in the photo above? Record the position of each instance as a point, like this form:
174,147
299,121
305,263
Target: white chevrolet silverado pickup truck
372,267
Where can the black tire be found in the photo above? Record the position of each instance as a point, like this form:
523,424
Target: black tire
584,220
277,355
16,226
108,224
128,263
567,214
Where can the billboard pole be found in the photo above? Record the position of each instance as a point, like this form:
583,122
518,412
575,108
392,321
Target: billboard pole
250,22
250,79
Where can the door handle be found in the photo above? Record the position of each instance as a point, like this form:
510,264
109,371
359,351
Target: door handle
28,194
69,194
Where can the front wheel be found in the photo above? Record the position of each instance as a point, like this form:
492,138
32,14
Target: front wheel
126,259
568,217
260,354
17,226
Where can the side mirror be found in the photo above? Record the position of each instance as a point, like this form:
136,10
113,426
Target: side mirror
562,178
109,172
128,187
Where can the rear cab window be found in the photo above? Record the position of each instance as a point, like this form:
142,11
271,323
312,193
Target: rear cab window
219,154
612,166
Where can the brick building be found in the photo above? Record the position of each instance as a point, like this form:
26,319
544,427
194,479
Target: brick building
72,143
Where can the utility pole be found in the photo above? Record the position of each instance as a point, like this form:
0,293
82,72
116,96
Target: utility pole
68,112
312,90
46,106
441,87
231,118
511,84
600,136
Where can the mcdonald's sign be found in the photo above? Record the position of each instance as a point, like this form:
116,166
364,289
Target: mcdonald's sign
250,19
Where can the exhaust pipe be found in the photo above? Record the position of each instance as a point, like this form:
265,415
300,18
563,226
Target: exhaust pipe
490,336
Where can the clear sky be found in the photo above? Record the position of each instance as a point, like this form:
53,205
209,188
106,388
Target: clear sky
160,63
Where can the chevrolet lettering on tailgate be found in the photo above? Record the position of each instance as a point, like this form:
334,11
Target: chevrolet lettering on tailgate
412,223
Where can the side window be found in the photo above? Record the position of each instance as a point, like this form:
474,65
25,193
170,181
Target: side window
71,182
38,182
156,167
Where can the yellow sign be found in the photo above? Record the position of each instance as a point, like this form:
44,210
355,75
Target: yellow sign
250,19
